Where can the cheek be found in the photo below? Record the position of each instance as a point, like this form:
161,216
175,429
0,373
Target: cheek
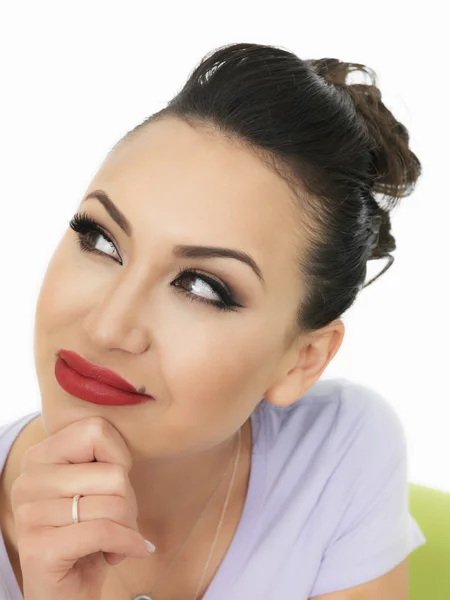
223,370
50,294
68,288
63,297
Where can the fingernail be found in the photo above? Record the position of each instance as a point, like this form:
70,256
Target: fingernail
150,547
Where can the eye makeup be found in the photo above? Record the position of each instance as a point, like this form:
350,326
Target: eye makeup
87,228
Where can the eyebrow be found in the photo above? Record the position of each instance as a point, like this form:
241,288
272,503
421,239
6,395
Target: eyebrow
181,250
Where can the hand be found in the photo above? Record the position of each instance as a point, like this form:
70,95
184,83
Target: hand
62,560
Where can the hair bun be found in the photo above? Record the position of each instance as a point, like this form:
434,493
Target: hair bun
395,169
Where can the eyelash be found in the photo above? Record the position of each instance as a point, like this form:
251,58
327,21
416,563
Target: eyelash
83,225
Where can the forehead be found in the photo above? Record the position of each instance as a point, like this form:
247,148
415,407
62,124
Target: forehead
191,185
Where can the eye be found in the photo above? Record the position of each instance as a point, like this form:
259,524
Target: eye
208,287
88,230
210,291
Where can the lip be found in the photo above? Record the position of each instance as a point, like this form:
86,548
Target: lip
95,384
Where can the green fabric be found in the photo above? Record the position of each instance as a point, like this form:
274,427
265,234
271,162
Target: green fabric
429,565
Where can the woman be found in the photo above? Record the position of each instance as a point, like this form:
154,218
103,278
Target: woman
181,330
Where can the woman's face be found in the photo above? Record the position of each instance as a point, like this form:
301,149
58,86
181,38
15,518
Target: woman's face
131,309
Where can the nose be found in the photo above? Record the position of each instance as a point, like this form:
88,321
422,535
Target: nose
117,320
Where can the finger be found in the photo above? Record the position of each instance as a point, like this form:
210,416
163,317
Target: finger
57,512
86,440
114,559
60,547
65,481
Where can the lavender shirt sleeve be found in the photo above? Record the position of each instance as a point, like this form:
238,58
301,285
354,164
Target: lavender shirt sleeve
374,531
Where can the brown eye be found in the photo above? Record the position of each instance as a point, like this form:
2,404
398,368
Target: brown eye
86,229
203,288
208,287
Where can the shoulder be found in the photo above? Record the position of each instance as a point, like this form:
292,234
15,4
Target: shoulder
367,417
339,437
350,401
336,414
14,426
335,487
9,432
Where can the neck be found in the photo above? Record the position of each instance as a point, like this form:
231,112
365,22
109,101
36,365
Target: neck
171,494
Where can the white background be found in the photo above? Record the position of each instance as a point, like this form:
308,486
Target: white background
76,76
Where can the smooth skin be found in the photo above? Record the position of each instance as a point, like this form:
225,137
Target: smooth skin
128,309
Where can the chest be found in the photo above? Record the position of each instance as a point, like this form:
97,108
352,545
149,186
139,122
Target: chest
161,579
177,581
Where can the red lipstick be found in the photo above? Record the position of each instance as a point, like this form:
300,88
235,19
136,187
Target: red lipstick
93,383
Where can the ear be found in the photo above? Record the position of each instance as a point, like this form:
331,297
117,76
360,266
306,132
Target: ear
305,364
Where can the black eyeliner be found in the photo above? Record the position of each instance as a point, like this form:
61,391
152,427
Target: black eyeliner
83,225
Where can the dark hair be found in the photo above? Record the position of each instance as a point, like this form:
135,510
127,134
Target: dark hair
335,144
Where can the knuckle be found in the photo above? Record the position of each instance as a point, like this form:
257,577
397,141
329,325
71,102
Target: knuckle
97,427
118,478
25,513
19,490
27,458
119,510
